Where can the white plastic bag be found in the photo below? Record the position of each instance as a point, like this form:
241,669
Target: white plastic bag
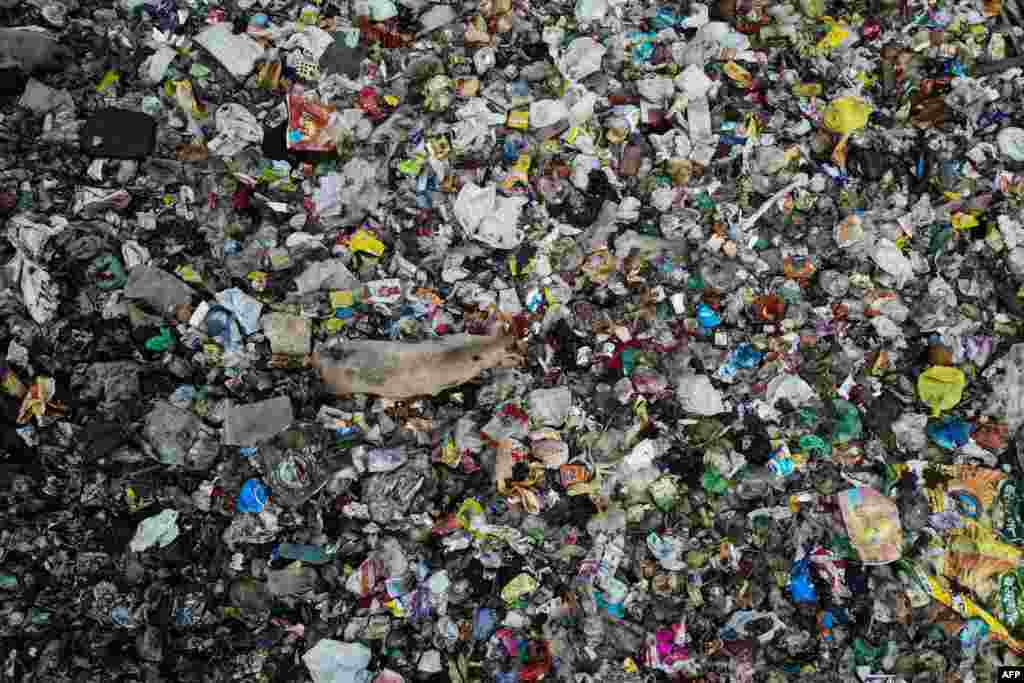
544,113
582,58
889,258
489,218
697,395
332,661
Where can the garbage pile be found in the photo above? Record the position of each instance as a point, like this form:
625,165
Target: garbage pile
504,341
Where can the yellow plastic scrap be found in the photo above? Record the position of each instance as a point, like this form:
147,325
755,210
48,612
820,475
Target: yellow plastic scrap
366,242
968,609
941,387
189,274
752,130
837,33
523,163
470,516
738,74
840,151
519,119
846,115
807,89
109,79
963,221
523,584
342,298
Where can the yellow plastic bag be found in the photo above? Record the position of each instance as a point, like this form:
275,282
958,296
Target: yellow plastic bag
941,387
847,114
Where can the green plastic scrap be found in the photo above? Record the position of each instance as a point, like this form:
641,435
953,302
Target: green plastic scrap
629,361
864,654
808,418
112,272
713,481
815,445
940,236
162,342
382,10
848,426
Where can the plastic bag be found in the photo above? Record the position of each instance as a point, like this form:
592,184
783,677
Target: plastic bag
941,387
490,218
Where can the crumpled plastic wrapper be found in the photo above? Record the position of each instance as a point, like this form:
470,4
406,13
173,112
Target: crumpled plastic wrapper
237,127
39,291
159,530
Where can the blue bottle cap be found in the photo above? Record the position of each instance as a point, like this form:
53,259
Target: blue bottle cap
254,496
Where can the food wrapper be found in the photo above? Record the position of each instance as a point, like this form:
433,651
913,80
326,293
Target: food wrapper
977,560
970,494
310,124
980,516
38,402
873,523
938,589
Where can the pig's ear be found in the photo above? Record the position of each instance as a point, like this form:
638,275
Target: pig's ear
511,359
502,325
